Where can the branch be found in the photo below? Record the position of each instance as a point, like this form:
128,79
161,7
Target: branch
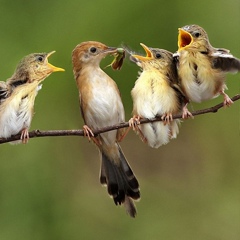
56,133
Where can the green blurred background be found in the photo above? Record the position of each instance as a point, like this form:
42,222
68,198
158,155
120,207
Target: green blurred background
49,188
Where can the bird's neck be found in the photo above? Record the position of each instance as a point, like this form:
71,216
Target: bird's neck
90,75
86,69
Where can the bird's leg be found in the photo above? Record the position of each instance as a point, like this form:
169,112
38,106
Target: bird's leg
185,112
122,134
167,118
24,136
134,122
227,100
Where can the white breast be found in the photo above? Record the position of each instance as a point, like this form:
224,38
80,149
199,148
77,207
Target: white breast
16,113
105,108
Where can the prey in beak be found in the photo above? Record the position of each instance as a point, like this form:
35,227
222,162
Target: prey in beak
119,55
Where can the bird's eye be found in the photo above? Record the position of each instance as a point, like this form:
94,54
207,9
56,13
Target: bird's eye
40,59
93,49
158,55
196,34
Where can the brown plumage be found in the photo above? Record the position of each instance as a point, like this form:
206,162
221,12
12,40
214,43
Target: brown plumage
101,106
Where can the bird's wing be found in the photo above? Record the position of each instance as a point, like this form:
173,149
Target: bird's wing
16,82
175,81
4,91
175,56
224,60
176,59
81,108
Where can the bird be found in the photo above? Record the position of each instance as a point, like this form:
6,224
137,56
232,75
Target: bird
18,93
156,93
202,68
101,106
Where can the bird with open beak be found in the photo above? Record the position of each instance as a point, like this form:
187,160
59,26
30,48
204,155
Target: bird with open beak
18,93
101,106
156,93
202,68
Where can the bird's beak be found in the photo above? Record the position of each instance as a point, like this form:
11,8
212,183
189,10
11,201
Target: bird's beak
184,39
110,50
148,53
53,68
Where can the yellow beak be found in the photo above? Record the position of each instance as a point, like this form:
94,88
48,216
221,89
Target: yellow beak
184,39
148,53
53,68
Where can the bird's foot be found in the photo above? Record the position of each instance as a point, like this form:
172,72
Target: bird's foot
186,114
227,100
88,132
24,136
134,121
167,118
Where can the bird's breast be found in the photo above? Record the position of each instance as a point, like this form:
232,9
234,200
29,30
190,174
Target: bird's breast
100,101
152,95
199,80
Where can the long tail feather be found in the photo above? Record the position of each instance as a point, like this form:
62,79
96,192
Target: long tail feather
121,182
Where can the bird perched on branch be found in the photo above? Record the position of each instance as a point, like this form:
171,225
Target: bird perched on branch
201,67
17,94
156,93
101,106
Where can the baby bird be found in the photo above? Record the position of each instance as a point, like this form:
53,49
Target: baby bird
156,93
101,106
17,94
202,68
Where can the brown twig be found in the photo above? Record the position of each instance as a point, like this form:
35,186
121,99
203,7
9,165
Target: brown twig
56,133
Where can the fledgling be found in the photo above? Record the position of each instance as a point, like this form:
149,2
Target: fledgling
17,94
202,68
101,106
156,93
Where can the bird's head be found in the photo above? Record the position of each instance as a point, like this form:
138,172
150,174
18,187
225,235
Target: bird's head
155,58
193,38
90,54
34,67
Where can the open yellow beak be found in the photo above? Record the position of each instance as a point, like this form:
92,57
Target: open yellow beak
53,68
148,53
184,39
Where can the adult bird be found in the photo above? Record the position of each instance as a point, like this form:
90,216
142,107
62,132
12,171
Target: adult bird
156,93
101,106
18,93
201,67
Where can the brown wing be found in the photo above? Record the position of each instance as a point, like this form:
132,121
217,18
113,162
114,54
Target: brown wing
224,60
4,91
175,82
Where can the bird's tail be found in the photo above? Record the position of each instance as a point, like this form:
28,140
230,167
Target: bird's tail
121,183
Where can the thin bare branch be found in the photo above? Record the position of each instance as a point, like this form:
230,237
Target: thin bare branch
57,133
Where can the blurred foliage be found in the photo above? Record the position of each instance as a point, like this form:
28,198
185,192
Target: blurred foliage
49,188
